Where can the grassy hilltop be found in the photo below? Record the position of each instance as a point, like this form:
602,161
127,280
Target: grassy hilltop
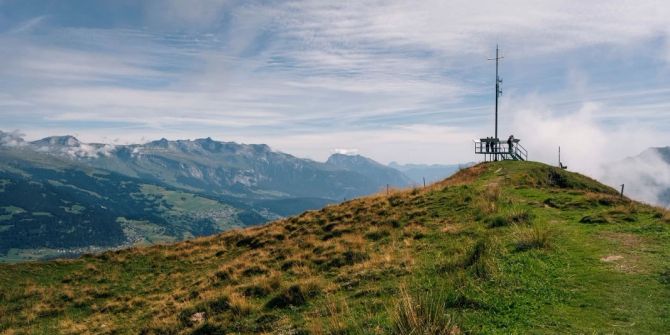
508,247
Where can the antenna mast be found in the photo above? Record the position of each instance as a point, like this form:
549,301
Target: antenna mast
498,89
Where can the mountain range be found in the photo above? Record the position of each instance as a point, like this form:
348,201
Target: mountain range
93,195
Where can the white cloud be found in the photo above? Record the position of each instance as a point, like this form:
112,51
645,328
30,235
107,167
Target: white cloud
12,139
645,178
399,80
590,147
345,151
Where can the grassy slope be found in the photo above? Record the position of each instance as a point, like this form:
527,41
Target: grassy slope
498,248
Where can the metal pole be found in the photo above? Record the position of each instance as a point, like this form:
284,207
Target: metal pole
497,90
622,190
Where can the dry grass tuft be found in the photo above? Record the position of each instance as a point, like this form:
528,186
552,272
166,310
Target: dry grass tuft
337,318
535,237
603,199
423,314
69,326
462,177
377,233
239,305
262,286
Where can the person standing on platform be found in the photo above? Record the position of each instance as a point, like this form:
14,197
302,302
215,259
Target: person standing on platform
510,143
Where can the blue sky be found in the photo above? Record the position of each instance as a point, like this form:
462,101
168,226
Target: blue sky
405,81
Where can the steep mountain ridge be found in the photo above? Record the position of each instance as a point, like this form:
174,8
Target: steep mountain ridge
54,207
504,247
224,168
154,192
372,170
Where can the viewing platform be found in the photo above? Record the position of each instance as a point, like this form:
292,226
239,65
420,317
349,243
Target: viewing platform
494,149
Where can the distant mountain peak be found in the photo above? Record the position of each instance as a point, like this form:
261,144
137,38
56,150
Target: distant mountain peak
349,159
61,141
162,143
370,168
209,144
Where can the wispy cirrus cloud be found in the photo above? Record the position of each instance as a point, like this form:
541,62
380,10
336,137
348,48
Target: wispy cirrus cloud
297,74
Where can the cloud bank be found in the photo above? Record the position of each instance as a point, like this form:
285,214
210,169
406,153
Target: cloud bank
610,153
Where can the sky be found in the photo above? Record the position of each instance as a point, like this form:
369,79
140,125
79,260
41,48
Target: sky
405,81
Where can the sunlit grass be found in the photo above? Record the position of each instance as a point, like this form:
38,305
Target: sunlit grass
498,248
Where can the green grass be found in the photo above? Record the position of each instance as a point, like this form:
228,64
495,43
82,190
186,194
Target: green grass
501,248
144,232
182,203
